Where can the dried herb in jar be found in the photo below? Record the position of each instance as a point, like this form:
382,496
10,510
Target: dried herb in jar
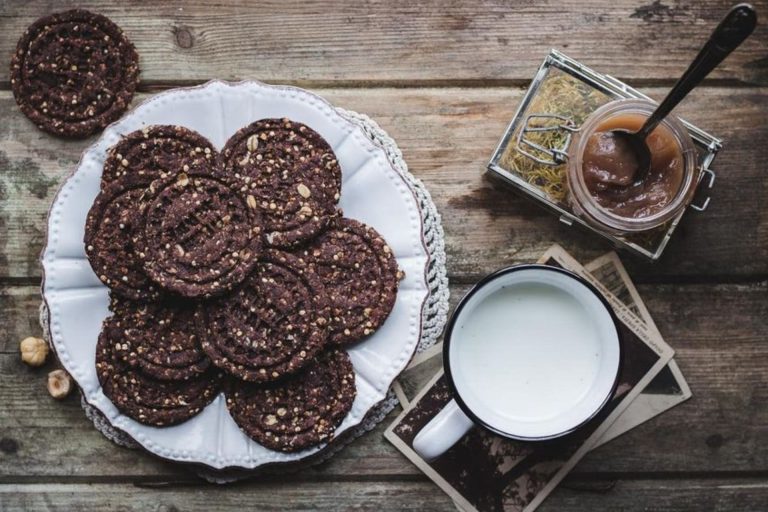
563,94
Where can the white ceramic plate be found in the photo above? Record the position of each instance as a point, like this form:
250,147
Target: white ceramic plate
372,192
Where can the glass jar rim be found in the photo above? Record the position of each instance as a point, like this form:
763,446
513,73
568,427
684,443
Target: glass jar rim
586,201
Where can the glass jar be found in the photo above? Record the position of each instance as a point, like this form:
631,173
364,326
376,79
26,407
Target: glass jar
584,203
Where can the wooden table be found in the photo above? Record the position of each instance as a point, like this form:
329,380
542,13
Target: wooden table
443,79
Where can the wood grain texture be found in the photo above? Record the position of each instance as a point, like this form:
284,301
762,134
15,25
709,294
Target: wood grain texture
627,495
443,78
19,319
447,136
719,336
404,42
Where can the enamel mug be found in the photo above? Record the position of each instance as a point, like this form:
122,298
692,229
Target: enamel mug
531,353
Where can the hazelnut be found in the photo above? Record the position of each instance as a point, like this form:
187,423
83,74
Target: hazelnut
303,190
33,351
252,143
59,384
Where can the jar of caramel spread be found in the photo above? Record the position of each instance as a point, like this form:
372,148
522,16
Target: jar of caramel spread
604,187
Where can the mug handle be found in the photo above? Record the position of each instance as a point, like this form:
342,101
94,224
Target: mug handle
442,432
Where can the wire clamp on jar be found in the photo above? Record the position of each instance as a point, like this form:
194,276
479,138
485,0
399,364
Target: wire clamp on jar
559,155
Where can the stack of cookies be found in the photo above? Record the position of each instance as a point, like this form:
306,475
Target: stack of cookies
234,271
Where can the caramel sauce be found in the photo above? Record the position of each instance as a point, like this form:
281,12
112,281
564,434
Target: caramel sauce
609,169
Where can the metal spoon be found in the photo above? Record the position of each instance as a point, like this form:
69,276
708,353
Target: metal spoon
737,25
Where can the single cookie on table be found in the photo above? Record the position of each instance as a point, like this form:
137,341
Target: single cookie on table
161,338
145,399
272,326
301,411
291,173
158,151
109,228
197,236
360,275
73,73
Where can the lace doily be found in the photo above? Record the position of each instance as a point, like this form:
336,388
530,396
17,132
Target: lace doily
434,316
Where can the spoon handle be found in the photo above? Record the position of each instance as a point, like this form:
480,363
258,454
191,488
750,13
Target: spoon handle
729,34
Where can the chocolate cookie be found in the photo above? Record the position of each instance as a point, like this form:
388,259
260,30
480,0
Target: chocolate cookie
291,172
161,339
148,400
108,230
73,73
158,151
273,325
198,236
300,411
360,275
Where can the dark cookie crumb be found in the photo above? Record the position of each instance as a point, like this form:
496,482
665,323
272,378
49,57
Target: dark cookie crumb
73,73
300,411
291,172
273,325
360,275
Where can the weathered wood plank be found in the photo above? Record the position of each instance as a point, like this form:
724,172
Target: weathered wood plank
403,42
19,305
719,343
718,331
447,136
626,495
47,448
